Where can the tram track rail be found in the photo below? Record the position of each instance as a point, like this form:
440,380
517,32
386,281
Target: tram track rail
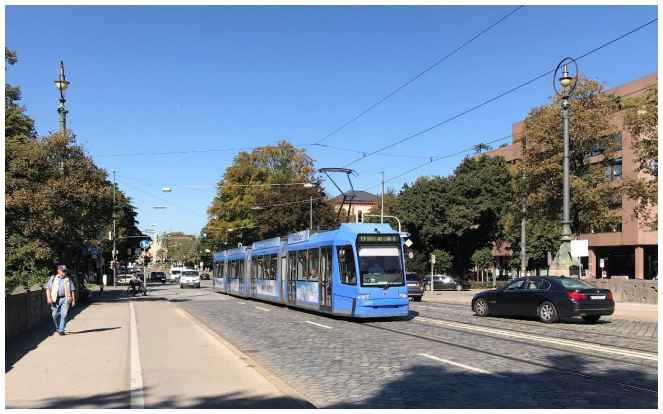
530,362
643,344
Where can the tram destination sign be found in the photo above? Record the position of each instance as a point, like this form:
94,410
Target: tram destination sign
379,238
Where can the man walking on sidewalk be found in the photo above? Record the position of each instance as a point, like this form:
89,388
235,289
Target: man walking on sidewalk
60,294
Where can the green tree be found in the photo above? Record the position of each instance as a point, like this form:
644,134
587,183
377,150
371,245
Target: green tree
248,181
287,209
482,259
641,120
460,213
390,199
593,151
56,200
443,260
479,148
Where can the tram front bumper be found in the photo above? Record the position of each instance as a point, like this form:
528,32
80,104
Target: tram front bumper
381,307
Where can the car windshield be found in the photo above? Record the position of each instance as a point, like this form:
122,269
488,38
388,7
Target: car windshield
175,272
576,284
380,265
192,274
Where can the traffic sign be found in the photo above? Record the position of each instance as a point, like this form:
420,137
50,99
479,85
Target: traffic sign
144,244
405,234
410,255
94,252
408,242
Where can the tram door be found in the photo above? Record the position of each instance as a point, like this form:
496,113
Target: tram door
282,276
252,276
240,275
292,278
325,279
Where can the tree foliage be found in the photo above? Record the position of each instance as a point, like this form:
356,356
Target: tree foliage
641,120
443,260
259,179
594,148
458,214
56,200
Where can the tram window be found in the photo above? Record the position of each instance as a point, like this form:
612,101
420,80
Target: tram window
313,264
302,268
272,266
292,265
325,263
347,269
380,265
240,269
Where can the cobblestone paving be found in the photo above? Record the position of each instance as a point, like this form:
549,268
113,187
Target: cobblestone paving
640,335
385,364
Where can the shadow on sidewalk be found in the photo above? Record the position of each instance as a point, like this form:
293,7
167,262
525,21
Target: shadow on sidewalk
122,400
20,345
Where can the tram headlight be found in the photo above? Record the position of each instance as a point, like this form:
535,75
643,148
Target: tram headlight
363,297
402,295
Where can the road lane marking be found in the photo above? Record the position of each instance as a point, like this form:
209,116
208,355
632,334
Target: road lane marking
262,309
137,399
324,326
556,341
463,366
241,303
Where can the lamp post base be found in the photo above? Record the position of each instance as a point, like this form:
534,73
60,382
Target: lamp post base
564,264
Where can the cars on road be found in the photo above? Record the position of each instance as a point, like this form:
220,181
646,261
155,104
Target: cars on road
546,297
205,276
415,286
444,282
174,274
158,277
190,278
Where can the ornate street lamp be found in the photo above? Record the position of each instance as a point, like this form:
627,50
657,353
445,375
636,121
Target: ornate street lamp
563,261
62,85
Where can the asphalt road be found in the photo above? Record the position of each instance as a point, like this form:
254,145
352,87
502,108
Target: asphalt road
441,356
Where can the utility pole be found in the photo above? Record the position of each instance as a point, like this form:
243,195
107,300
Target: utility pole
382,207
523,233
114,236
310,227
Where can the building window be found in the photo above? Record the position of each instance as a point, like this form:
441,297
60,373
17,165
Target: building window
614,171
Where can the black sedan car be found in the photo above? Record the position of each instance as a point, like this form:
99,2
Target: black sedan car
548,298
444,282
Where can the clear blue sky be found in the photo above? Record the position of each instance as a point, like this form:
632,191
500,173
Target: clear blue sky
174,79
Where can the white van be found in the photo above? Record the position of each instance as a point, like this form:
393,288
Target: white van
175,274
190,278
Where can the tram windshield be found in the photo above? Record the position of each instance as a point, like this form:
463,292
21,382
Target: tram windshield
380,266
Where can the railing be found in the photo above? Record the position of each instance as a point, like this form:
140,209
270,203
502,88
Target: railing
25,309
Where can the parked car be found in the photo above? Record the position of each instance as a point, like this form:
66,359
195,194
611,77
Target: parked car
158,277
415,286
444,282
190,278
549,298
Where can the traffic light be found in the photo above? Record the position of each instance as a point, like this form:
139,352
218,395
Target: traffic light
360,217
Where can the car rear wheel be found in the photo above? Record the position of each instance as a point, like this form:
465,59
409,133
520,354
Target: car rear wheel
459,288
181,287
481,307
548,313
417,298
591,318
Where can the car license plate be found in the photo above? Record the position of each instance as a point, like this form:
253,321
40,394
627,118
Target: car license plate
598,297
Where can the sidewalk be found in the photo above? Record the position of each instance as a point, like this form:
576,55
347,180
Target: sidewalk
623,310
178,363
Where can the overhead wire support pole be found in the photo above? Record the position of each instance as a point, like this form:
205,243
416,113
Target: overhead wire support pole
382,203
114,234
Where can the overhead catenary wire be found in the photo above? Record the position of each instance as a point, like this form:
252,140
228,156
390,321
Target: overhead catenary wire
419,75
495,98
434,159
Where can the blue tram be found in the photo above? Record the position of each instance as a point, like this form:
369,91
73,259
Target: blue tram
357,270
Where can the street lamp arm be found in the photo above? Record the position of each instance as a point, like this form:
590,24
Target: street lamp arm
394,217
